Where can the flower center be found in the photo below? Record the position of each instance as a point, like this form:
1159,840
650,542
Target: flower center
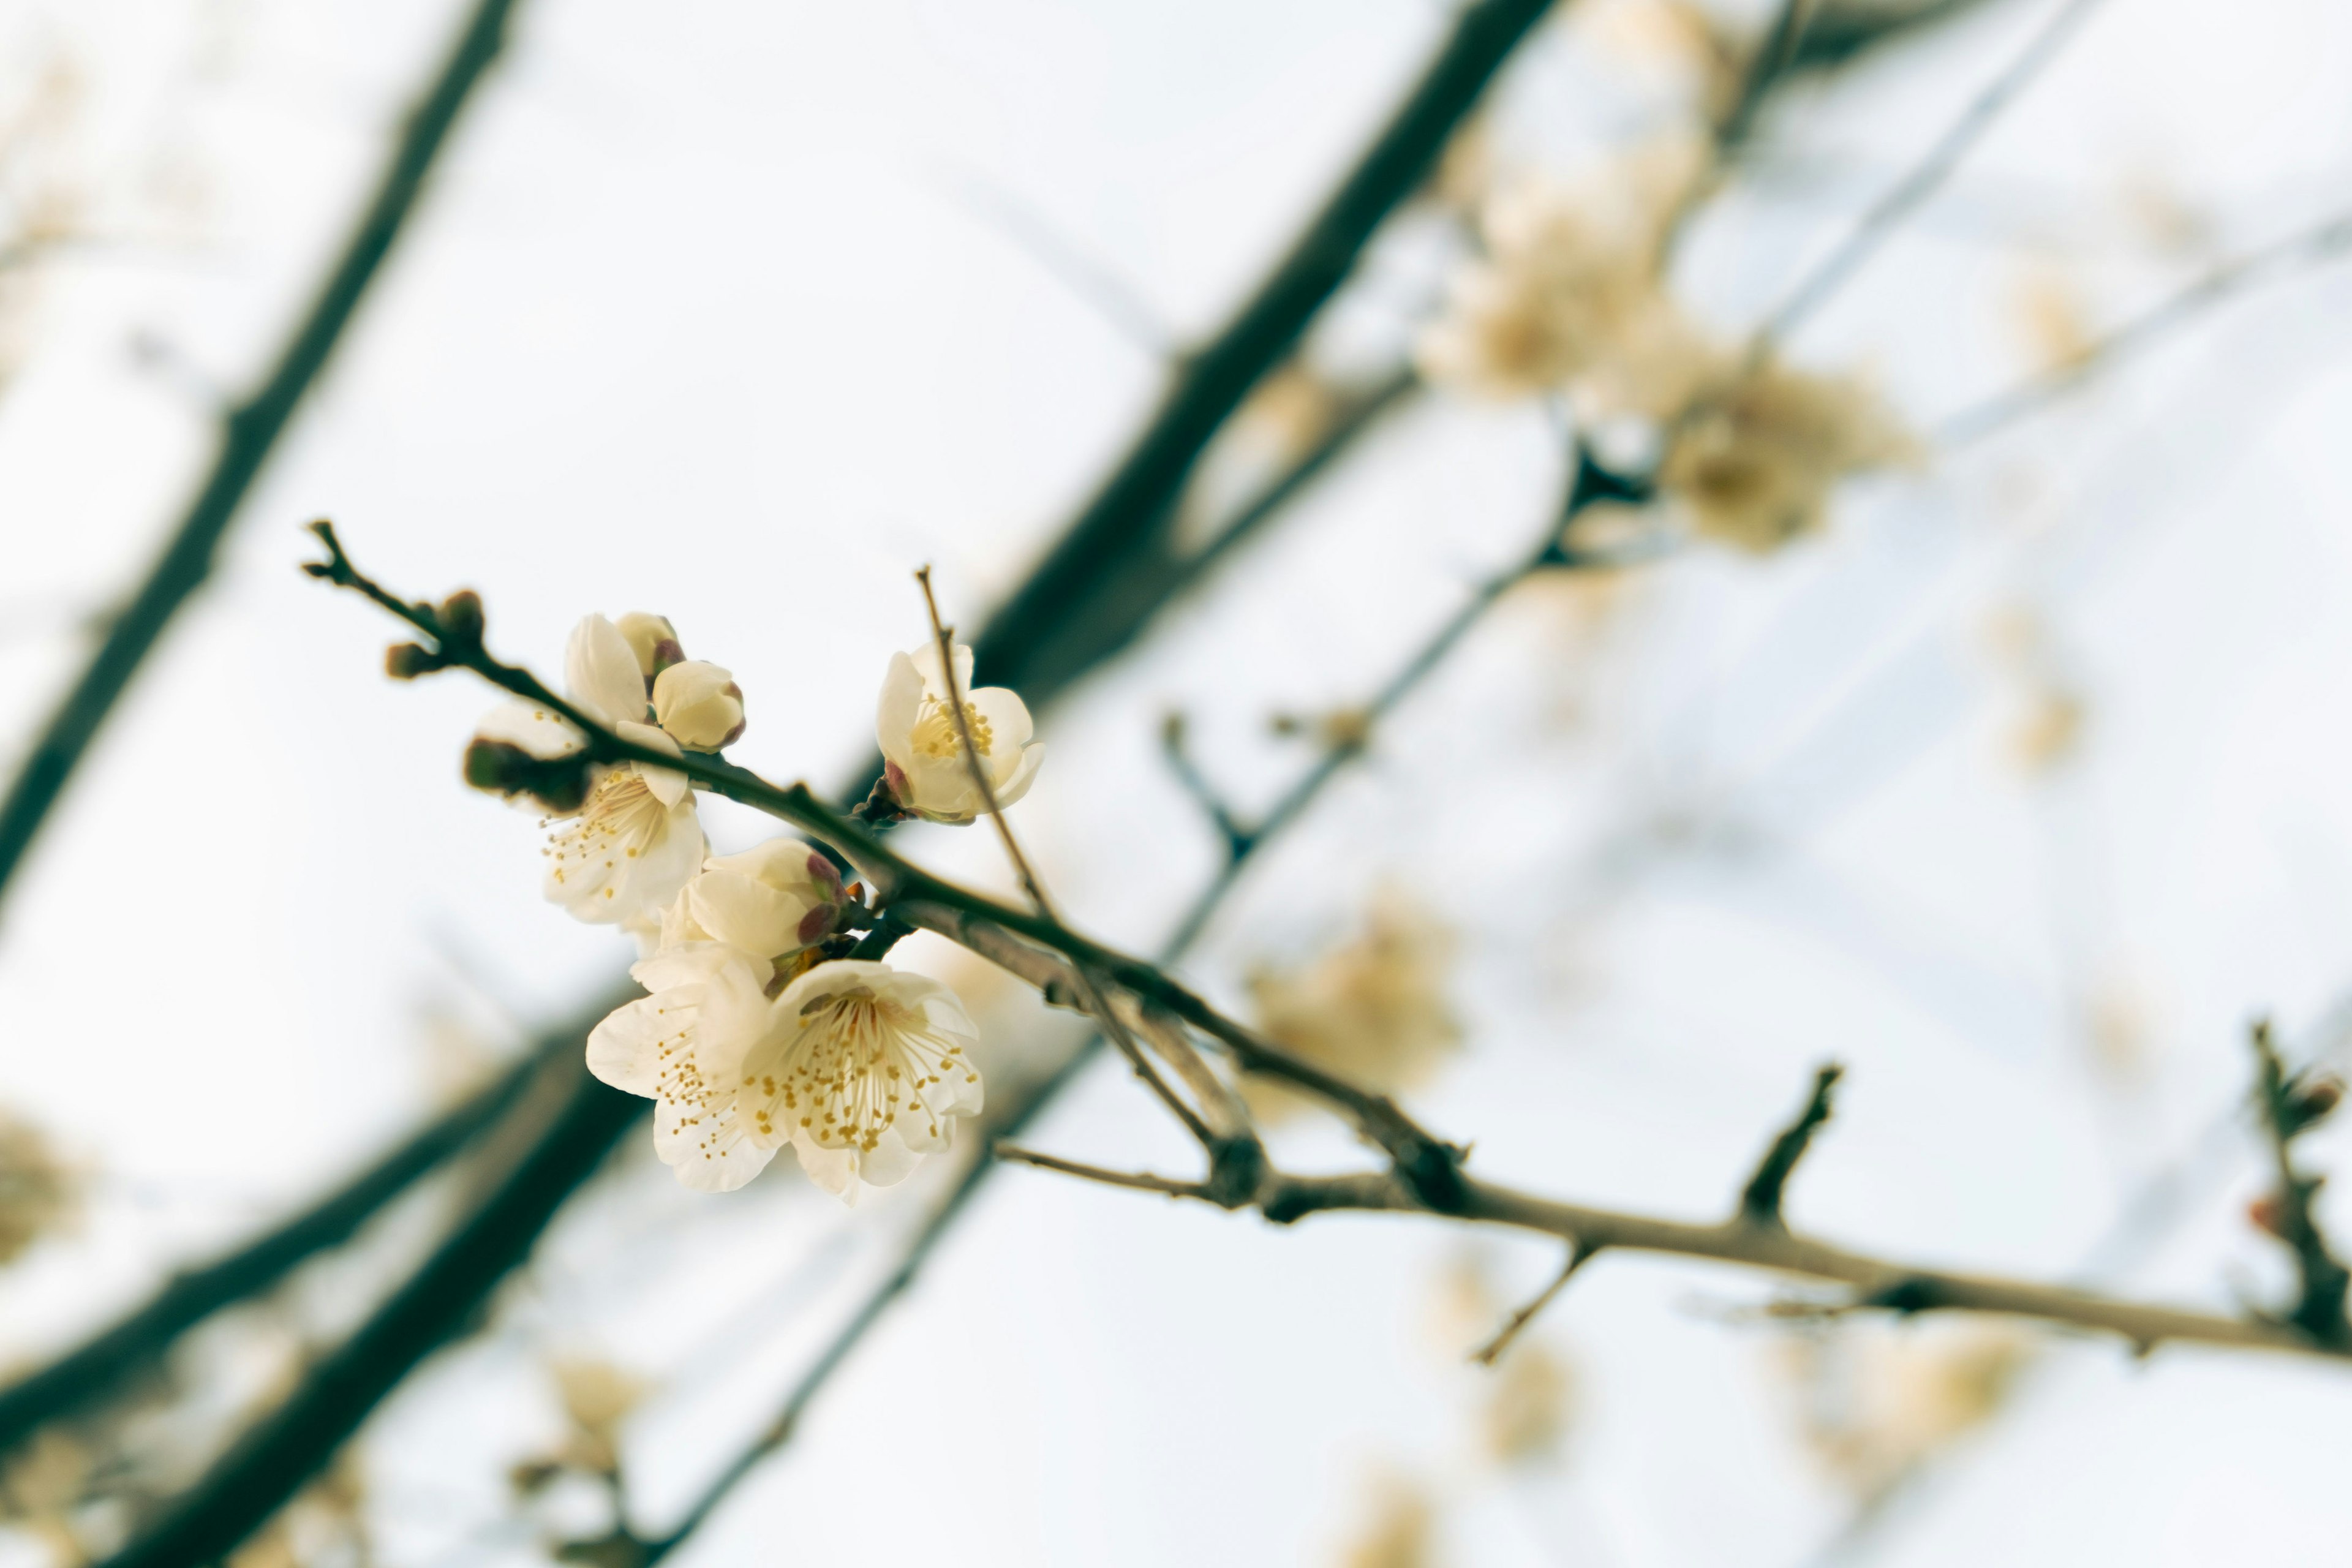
935,731
858,1063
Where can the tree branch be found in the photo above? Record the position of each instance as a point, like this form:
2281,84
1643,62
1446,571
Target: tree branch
1759,1200
249,432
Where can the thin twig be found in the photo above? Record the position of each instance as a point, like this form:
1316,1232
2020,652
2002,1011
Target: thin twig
1759,1200
1134,1181
249,432
2323,242
976,767
1578,1254
1886,215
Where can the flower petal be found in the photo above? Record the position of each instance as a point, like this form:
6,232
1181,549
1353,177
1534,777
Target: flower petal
600,673
1025,772
669,785
1006,717
747,913
901,703
627,1049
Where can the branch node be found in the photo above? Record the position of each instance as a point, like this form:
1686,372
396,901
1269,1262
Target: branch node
2290,1104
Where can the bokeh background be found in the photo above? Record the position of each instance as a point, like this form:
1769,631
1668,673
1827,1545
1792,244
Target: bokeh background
2021,789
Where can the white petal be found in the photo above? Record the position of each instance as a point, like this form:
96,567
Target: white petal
687,963
1007,717
1016,784
926,664
540,731
703,1154
887,1164
625,1050
669,785
900,705
834,1170
600,673
747,913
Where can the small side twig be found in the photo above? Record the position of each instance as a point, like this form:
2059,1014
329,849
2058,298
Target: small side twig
1578,1254
1759,1200
1136,1181
1239,841
2290,1104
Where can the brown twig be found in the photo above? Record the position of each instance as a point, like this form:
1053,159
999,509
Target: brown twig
1578,1254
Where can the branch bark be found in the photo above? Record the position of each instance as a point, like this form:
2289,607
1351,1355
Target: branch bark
249,432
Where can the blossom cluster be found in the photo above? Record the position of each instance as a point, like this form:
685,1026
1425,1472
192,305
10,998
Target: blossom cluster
759,1028
1568,296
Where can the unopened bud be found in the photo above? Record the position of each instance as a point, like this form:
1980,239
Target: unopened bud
2268,1213
698,705
654,640
501,767
461,619
408,660
2318,1097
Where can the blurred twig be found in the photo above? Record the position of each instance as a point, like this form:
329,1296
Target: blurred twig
250,432
1090,595
137,1340
1885,215
2284,259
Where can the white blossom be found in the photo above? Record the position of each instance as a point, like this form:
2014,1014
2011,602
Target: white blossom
1753,463
923,752
700,705
768,902
861,1068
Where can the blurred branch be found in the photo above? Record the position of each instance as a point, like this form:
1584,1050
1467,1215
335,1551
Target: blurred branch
564,1128
1091,592
1487,1354
137,1341
1074,266
1840,31
1886,215
249,432
2272,263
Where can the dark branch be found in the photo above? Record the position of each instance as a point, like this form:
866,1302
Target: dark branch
249,432
104,1361
1759,1200
1090,595
570,1121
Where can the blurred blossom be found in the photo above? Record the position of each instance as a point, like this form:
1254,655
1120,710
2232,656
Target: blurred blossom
597,1396
922,746
43,1486
2051,321
1373,1009
1401,1529
1874,1400
325,1526
1672,35
2046,712
1567,295
37,1192
1529,1401
1752,464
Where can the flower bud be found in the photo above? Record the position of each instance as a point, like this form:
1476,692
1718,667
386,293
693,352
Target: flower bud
700,705
502,767
408,660
2268,1213
461,619
654,640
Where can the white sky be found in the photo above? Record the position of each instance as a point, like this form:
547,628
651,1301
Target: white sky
702,317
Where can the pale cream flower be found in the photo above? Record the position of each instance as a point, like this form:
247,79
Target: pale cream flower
1568,295
1753,463
861,1068
1373,1010
37,1192
1875,1400
768,902
1528,1403
700,705
636,839
923,751
653,639
1401,1531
